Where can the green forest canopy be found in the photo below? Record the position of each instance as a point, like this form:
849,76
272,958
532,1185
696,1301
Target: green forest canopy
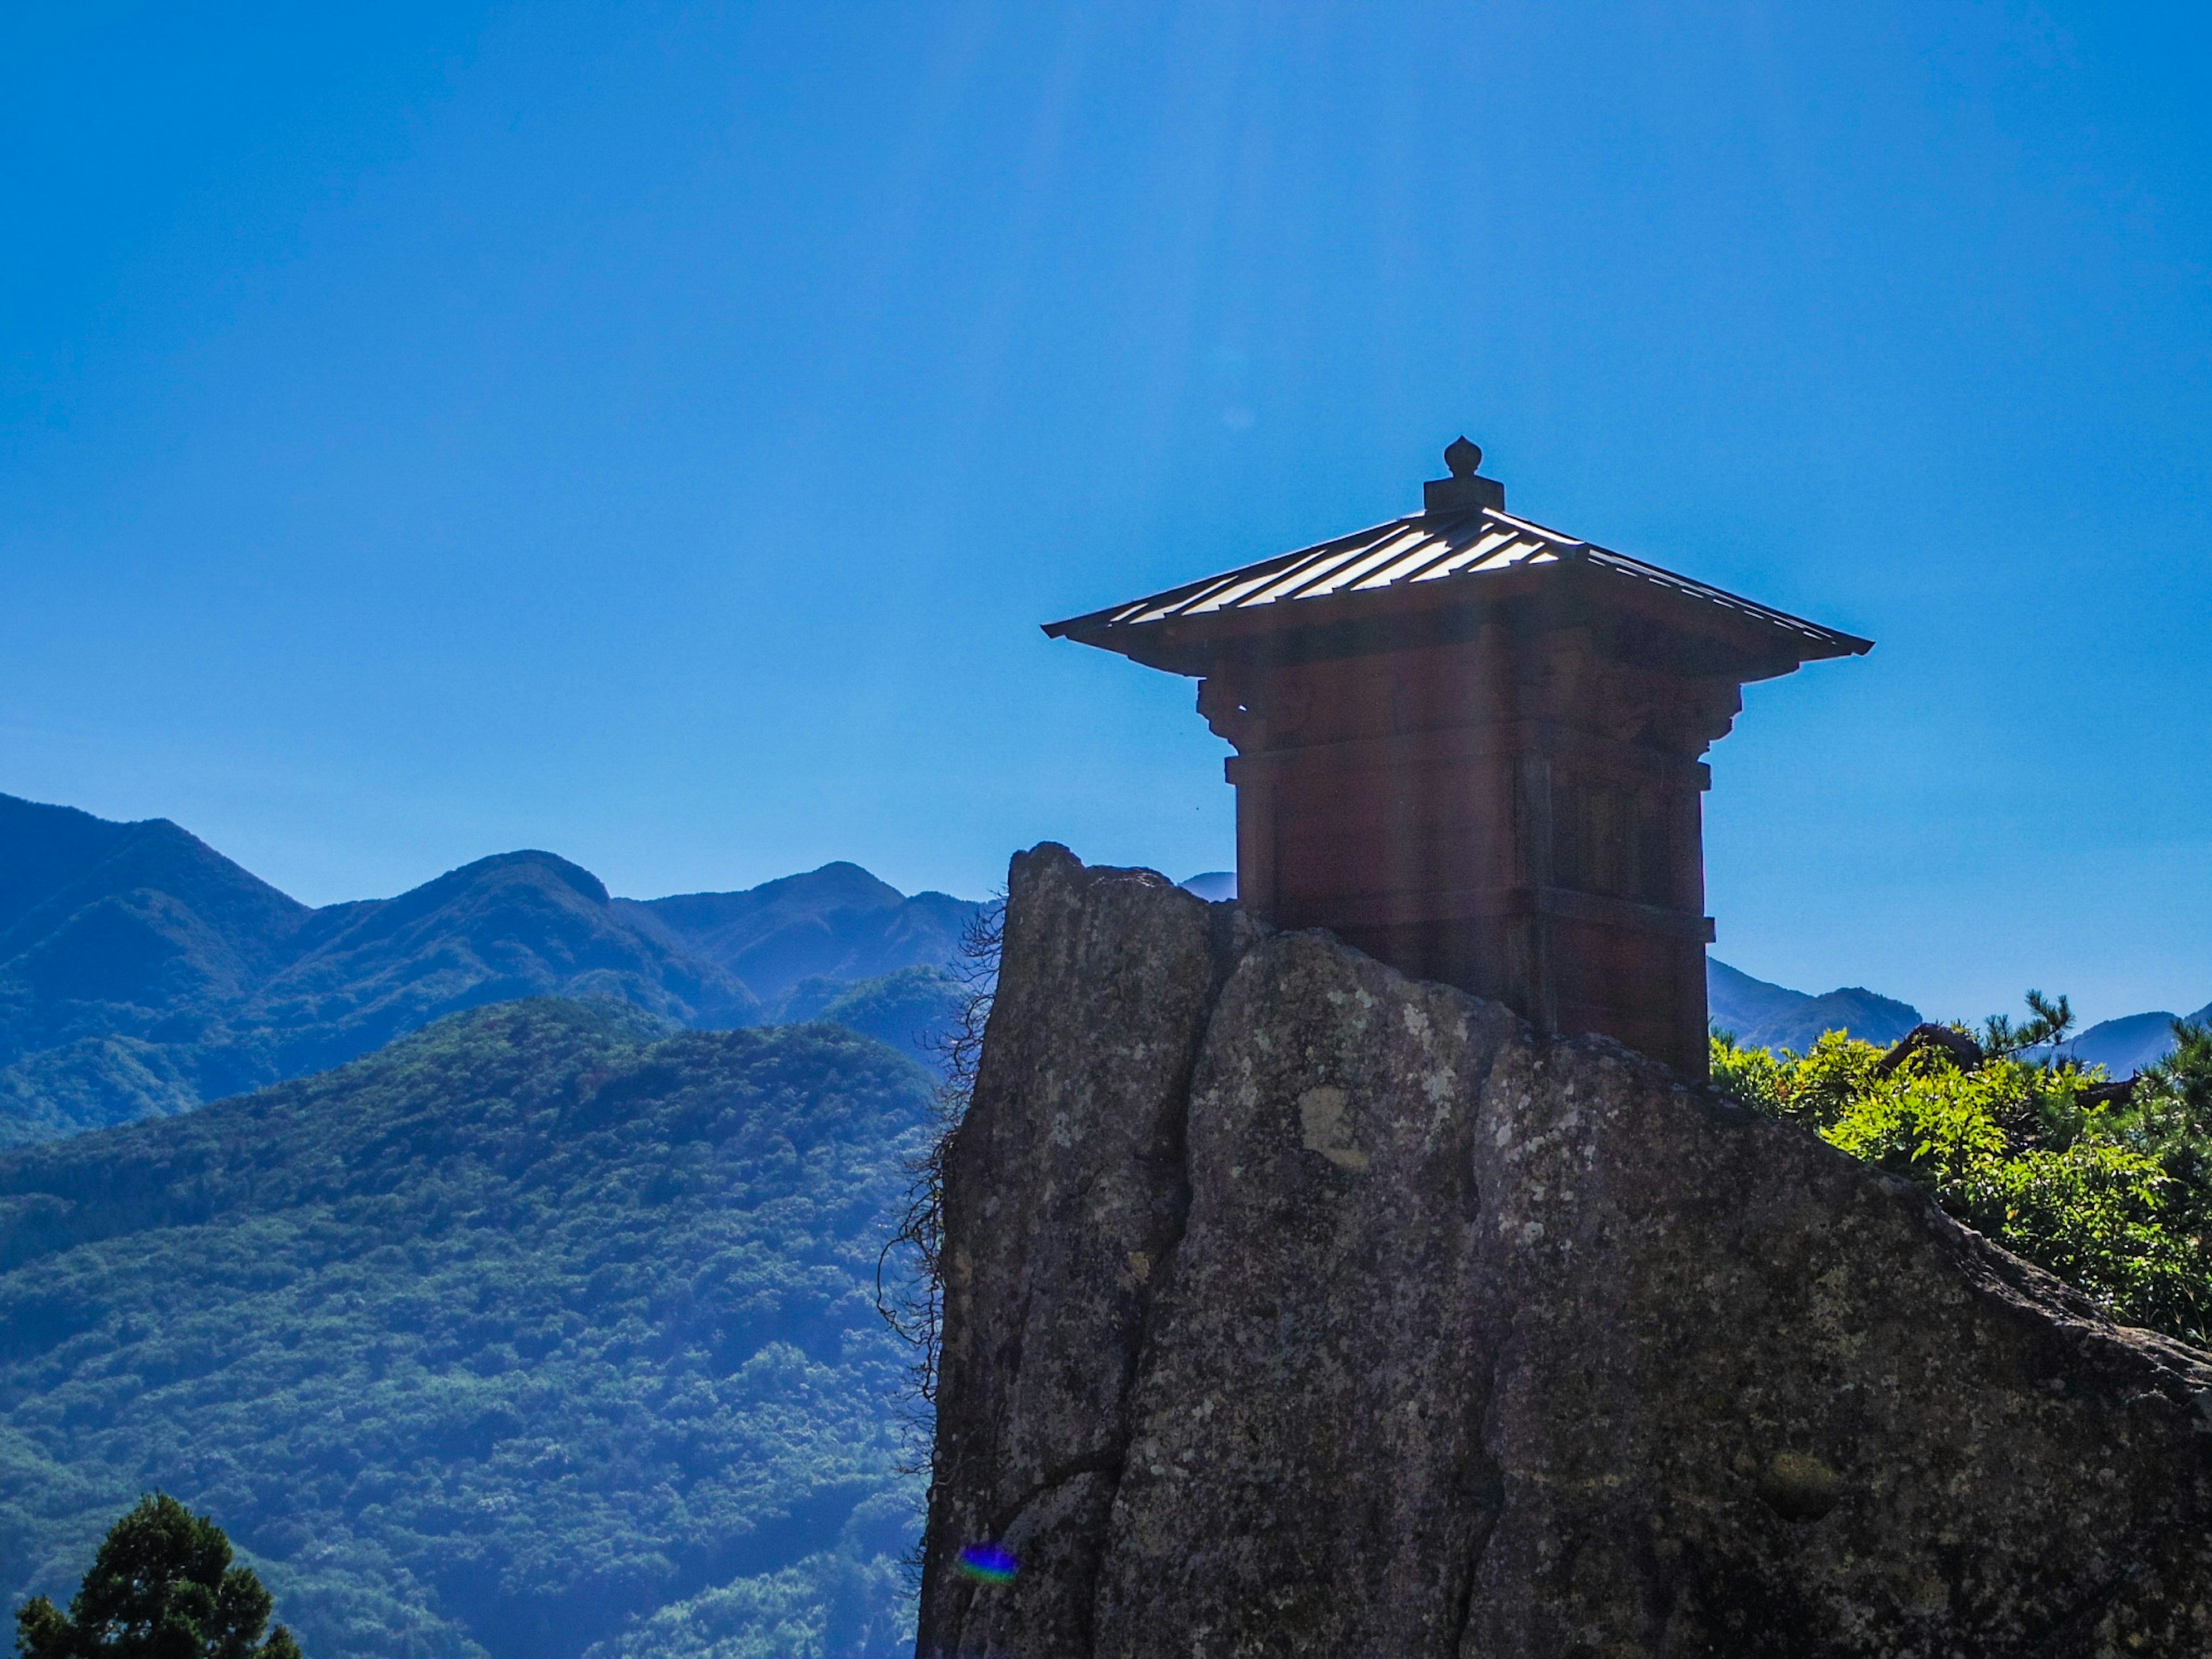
544,1333
2114,1195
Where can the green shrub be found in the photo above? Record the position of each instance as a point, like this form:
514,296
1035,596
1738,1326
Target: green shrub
2113,1197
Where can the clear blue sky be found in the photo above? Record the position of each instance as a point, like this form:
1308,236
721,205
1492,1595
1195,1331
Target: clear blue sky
653,433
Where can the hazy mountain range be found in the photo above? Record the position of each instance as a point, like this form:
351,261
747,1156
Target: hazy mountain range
142,972
1762,1015
1769,1016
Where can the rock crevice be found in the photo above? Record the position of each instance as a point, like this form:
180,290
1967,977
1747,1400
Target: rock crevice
1293,1307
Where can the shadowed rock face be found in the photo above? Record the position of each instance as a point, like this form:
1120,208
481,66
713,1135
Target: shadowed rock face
1296,1308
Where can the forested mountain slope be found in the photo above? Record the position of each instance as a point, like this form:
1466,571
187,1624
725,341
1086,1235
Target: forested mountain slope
142,972
545,1332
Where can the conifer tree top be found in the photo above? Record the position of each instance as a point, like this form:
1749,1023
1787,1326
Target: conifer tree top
162,1587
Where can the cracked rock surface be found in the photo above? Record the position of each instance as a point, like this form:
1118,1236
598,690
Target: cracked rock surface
1293,1307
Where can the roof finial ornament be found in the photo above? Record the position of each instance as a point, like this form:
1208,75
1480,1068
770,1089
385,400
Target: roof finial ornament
1462,493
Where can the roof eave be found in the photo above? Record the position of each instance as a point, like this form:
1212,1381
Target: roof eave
1759,630
1763,643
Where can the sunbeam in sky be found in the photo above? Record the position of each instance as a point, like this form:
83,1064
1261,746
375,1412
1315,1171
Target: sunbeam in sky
655,432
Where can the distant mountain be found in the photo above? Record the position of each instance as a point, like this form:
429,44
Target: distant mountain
548,1332
913,1009
132,929
838,922
2124,1046
1212,885
2127,1045
1764,1016
519,924
143,973
1761,1015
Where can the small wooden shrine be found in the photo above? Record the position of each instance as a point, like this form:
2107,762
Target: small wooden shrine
1471,746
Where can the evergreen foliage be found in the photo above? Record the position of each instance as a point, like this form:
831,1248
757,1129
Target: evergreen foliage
2048,1025
2114,1196
913,1010
162,1587
549,1331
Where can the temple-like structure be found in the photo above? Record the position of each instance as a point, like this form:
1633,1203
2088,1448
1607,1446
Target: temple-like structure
1471,746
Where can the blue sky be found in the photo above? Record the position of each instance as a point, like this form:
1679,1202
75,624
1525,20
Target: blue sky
654,432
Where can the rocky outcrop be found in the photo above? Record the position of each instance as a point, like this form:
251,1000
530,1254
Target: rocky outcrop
1296,1307
1961,1050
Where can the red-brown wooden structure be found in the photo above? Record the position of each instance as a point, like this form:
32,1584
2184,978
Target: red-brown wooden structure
1471,746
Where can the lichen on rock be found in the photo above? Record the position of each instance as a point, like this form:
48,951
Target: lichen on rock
1293,1307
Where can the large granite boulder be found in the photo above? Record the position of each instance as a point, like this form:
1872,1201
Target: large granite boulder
1296,1307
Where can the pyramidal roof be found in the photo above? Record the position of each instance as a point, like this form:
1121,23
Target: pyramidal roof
1465,552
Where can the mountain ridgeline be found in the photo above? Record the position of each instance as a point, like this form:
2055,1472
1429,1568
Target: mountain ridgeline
141,973
1763,1016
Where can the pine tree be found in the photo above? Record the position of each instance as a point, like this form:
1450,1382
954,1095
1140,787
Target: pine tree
161,1588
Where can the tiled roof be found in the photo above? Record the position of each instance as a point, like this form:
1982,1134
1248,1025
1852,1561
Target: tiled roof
1455,550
